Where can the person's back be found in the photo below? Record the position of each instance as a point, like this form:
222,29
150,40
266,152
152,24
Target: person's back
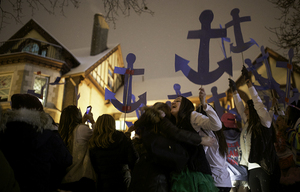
109,157
33,148
108,163
8,181
147,175
80,175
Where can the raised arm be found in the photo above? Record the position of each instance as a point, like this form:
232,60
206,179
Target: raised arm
260,108
262,112
209,122
237,100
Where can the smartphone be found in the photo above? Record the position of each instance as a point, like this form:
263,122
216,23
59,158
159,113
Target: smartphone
88,109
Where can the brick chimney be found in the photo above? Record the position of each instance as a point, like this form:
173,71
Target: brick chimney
100,34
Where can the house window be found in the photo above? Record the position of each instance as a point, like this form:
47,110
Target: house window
41,87
5,85
44,49
120,125
31,48
44,53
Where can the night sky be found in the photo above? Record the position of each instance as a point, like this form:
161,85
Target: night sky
156,39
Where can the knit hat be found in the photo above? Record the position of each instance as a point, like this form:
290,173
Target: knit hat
26,101
229,120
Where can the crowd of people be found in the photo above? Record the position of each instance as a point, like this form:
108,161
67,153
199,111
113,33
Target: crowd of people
176,148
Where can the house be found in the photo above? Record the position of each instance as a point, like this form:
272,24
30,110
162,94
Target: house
33,60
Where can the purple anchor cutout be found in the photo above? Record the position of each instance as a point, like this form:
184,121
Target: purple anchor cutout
272,84
56,82
236,23
215,98
203,76
127,106
223,46
177,88
262,81
138,111
295,96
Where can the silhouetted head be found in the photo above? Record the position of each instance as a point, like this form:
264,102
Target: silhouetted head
26,101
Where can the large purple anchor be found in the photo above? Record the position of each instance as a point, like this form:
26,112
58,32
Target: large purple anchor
236,23
127,106
203,76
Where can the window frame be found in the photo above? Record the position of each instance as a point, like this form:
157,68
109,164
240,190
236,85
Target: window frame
7,74
45,94
31,46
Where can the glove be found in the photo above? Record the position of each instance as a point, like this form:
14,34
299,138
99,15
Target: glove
232,85
245,73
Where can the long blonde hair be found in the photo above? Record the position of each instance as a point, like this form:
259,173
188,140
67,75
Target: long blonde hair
103,132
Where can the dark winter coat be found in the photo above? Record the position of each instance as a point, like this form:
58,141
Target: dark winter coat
148,175
34,149
197,161
262,149
108,163
263,153
7,177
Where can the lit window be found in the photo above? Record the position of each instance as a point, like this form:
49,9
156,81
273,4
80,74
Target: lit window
5,85
44,53
41,83
120,125
31,48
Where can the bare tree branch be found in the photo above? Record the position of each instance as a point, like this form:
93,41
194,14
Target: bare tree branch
13,12
112,7
288,33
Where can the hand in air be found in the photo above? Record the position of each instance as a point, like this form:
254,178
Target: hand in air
202,96
232,85
88,117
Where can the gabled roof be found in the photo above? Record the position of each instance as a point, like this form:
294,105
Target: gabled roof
32,24
88,62
272,54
